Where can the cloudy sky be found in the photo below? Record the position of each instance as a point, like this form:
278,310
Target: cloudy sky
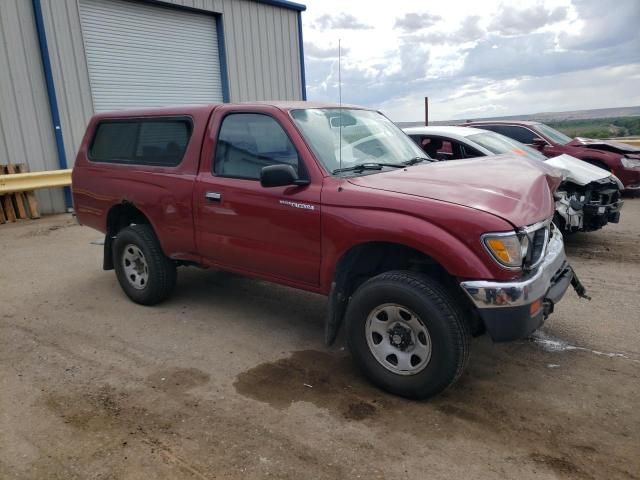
474,58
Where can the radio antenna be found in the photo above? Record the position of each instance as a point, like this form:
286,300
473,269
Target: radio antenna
340,103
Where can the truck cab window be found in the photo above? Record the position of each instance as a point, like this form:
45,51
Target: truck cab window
247,142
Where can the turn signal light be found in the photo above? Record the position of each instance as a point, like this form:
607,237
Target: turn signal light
508,249
535,307
500,250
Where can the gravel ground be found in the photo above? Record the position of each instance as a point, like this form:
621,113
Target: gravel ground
230,379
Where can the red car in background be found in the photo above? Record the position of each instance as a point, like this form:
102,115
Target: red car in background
620,159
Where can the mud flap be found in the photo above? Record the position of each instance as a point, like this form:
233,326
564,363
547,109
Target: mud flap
335,314
578,287
107,260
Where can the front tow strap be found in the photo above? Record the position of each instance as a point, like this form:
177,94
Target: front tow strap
578,287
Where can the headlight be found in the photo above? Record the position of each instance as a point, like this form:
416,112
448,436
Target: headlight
508,249
630,162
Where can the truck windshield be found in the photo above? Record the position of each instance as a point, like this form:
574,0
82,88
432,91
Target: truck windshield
496,143
342,138
553,134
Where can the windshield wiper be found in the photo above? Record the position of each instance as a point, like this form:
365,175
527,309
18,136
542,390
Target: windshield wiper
368,166
414,160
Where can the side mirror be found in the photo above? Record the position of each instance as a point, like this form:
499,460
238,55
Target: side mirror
539,143
280,176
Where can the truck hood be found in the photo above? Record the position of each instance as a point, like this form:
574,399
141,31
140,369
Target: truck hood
515,188
579,172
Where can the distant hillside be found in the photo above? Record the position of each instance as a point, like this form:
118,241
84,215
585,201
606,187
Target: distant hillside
599,127
548,117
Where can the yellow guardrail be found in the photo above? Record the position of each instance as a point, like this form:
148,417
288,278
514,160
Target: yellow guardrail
21,182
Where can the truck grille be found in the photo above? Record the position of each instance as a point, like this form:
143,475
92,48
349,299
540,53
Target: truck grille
539,235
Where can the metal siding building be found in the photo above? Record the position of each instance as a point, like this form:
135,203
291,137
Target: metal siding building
256,55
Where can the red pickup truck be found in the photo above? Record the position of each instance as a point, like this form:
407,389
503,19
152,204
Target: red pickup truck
416,256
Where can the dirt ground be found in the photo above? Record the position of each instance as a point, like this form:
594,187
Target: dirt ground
230,378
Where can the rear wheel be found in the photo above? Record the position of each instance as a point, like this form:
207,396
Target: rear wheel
145,274
406,334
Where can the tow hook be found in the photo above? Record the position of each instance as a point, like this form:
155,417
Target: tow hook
578,287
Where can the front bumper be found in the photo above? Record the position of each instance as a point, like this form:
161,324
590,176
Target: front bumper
597,216
513,310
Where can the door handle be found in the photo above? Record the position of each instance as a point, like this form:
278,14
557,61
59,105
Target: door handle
213,196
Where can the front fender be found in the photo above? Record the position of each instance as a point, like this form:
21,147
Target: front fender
345,228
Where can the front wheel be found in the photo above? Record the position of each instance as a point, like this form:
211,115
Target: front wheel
145,274
406,334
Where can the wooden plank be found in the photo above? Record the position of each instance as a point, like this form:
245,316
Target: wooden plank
7,203
8,208
32,201
18,198
17,205
3,219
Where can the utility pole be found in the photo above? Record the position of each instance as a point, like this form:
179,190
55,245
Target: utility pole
426,111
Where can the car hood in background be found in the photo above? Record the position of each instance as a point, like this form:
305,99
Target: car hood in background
609,146
579,172
622,147
515,188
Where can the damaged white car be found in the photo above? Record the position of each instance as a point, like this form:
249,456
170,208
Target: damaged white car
588,198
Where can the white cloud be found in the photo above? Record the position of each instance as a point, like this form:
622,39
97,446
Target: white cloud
567,91
340,21
468,62
514,21
314,51
411,22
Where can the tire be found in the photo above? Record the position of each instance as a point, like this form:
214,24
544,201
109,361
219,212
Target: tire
145,274
445,351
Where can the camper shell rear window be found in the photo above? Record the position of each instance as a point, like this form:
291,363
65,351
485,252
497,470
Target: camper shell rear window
158,141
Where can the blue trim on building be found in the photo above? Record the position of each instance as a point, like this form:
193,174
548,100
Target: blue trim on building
51,91
284,4
222,54
303,79
275,3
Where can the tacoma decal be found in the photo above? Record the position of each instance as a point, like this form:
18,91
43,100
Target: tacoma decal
304,206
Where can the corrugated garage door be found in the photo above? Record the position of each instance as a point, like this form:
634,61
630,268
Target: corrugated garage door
144,55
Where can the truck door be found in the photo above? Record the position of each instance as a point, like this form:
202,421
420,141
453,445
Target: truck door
269,232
